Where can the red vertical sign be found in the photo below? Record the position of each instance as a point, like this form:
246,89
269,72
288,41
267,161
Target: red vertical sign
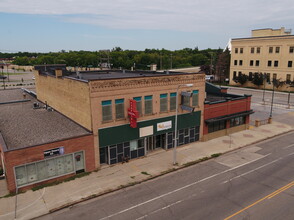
133,113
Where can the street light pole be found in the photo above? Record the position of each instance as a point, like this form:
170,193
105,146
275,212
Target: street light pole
264,77
271,113
176,122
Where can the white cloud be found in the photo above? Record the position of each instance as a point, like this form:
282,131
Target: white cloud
184,15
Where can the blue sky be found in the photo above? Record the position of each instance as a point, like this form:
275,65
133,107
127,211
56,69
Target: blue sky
53,25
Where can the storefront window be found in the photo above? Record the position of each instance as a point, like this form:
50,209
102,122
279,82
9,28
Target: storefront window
237,121
45,169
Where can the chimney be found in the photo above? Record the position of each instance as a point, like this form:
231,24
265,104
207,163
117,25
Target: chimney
58,73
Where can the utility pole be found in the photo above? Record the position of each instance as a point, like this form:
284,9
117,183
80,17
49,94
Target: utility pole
161,60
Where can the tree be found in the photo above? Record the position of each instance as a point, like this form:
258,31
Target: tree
241,78
278,83
258,79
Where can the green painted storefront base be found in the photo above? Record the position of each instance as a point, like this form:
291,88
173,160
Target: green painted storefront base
124,133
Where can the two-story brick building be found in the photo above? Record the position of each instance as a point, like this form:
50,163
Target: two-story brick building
101,101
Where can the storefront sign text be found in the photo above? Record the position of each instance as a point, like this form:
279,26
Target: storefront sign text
54,152
164,125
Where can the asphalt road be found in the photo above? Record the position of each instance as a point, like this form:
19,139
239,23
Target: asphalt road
256,182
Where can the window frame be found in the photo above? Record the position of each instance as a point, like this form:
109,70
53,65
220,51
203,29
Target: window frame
148,99
118,104
105,104
163,102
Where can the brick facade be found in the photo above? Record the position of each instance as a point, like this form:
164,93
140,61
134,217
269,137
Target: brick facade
229,107
36,153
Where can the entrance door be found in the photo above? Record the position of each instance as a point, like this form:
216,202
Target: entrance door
103,155
160,141
79,162
149,143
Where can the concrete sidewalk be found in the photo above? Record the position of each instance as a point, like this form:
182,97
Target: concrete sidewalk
33,204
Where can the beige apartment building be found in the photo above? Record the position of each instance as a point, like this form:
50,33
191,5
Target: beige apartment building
267,51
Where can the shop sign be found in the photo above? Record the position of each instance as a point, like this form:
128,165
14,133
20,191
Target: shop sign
54,152
164,125
146,131
133,113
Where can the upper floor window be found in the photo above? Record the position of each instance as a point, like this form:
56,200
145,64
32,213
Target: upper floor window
139,104
240,62
148,105
290,63
163,102
276,63
235,62
269,63
236,50
291,49
119,109
172,101
195,98
277,49
251,62
258,50
257,63
252,49
241,50
185,100
106,110
274,76
270,49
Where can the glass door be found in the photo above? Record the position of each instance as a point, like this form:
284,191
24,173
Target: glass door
79,162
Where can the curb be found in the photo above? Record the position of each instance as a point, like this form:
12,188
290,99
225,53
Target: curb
183,166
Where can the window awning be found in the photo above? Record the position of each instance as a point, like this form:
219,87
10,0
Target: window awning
225,117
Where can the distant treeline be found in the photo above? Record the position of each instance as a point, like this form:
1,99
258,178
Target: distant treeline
118,58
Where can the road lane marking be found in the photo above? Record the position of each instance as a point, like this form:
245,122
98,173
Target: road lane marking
252,170
292,145
281,190
266,197
179,189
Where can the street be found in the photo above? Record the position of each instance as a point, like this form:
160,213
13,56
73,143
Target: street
255,182
262,109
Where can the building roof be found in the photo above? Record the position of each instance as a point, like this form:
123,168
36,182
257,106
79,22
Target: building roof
23,126
264,37
105,74
214,94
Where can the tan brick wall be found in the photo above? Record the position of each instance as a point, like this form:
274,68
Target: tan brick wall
131,90
70,97
32,154
128,89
